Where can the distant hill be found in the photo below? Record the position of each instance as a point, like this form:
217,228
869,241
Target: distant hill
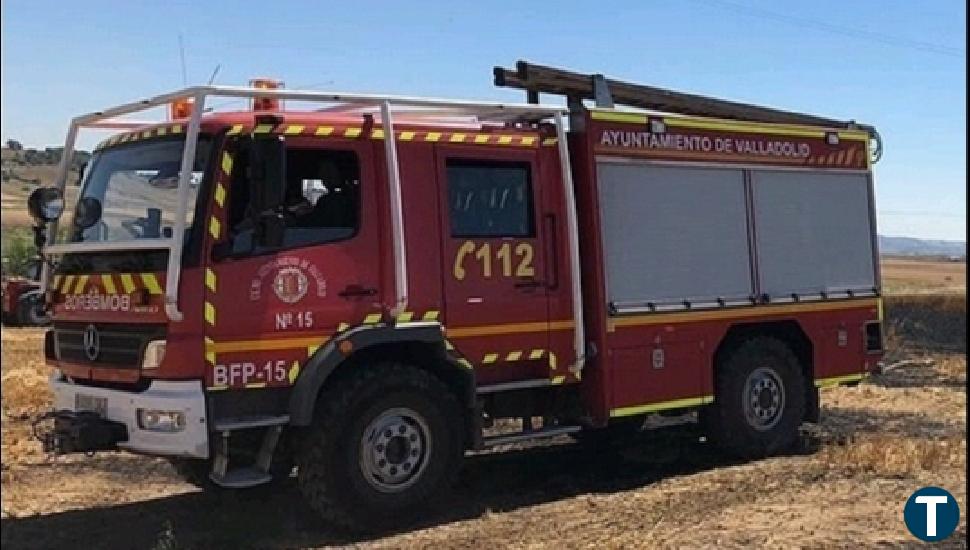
909,246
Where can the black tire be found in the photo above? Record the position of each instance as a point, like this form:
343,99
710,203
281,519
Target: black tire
337,475
30,310
759,399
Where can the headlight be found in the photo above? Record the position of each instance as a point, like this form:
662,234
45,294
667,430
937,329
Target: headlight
45,204
154,354
161,421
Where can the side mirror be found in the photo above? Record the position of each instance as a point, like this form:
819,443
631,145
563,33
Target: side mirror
45,204
88,212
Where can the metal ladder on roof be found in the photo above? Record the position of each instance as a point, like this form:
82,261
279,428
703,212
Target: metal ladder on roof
607,92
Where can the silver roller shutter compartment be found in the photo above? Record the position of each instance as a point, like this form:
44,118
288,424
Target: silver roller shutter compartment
673,234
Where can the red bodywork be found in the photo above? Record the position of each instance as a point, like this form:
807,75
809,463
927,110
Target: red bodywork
13,289
251,323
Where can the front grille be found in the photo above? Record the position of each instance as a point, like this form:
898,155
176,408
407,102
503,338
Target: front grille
119,346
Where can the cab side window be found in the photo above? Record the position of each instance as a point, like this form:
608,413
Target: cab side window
321,200
489,198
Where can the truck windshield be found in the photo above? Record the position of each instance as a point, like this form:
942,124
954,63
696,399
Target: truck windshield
137,187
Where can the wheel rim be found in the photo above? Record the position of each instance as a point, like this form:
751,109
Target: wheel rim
763,399
395,449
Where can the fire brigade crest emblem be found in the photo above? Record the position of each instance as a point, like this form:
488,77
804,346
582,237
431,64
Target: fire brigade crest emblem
290,285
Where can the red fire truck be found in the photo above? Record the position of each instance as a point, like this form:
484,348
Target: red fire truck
359,286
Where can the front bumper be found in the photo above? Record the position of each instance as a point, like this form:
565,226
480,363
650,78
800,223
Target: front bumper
122,407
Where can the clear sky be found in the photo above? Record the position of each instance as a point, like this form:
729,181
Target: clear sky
897,64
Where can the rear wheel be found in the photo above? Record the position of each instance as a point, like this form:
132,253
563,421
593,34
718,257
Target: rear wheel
759,400
386,443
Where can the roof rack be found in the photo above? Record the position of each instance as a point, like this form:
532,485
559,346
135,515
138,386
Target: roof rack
604,91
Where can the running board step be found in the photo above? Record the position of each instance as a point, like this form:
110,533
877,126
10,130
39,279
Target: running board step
533,434
247,422
241,478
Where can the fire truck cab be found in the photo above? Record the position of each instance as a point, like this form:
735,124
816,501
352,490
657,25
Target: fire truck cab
359,286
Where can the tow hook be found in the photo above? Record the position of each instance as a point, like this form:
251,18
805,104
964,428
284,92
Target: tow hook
77,432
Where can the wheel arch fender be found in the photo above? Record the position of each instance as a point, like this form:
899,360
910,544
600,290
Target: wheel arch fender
424,340
790,332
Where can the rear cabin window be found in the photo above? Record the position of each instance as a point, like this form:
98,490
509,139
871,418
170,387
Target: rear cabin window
321,201
489,199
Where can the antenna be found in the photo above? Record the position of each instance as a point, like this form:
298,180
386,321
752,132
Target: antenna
185,77
214,73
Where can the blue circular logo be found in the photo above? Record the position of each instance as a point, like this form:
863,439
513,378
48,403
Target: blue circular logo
931,514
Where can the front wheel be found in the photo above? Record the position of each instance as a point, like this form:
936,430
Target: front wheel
759,399
385,444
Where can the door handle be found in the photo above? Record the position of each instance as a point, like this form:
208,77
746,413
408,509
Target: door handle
529,284
353,291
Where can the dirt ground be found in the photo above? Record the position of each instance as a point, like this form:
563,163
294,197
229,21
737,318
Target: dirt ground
845,486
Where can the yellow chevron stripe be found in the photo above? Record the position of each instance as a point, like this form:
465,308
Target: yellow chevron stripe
430,316
161,131
128,283
372,318
377,133
210,354
550,141
556,380
405,316
324,130
220,195
432,136
504,140
263,129
176,129
214,227
552,361
406,136
210,279
457,138
68,284
536,354
56,283
108,282
236,128
294,129
82,281
352,132
151,283
513,355
528,140
490,358
210,313
293,372
481,138
227,163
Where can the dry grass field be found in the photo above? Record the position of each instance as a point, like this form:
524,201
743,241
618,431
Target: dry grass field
915,275
844,487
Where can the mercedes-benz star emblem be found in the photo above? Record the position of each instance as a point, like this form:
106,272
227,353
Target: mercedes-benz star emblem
92,342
